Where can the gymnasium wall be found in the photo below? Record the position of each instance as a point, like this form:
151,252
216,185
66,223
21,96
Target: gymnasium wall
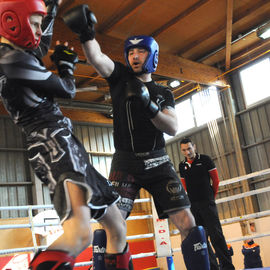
253,134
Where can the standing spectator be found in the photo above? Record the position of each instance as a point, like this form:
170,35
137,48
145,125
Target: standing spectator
196,173
230,249
251,252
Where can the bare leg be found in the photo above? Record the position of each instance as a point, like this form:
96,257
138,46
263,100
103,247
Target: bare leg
124,214
184,221
192,236
77,230
115,227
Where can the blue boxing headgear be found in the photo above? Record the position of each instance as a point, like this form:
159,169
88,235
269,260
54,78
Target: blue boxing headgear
147,43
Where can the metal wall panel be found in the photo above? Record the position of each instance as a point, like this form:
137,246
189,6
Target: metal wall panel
98,142
256,134
15,172
15,181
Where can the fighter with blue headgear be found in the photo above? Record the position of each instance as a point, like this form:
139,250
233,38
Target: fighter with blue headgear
148,43
142,111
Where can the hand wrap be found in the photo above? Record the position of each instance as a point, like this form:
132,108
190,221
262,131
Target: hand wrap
64,59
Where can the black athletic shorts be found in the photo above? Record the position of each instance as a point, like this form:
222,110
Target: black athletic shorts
56,157
152,171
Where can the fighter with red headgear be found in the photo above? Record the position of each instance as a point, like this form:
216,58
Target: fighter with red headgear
28,91
15,22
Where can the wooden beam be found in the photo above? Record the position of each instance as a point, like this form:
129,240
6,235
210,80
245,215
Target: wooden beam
169,65
83,82
178,17
183,69
86,116
118,18
205,36
229,34
184,90
77,115
244,56
64,7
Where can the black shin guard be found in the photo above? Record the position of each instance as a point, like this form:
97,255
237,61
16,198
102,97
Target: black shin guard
194,249
120,261
52,260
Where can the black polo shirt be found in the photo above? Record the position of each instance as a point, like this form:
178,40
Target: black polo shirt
197,178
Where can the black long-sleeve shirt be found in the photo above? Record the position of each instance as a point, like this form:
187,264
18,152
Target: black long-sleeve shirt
28,89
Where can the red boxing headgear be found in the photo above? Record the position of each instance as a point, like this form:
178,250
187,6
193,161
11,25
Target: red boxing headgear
14,21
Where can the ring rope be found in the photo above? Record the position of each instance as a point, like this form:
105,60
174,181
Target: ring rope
244,177
230,198
235,219
48,206
242,195
31,225
30,215
245,217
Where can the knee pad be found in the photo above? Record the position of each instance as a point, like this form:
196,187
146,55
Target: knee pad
120,261
99,248
52,260
194,249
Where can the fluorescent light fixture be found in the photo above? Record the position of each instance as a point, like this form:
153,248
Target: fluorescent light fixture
173,83
263,32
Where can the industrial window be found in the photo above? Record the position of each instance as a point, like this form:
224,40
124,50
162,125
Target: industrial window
197,110
255,81
206,106
185,115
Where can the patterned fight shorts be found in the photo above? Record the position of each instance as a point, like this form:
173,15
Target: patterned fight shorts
55,155
152,171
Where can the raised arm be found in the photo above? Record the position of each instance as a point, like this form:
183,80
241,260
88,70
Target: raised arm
47,27
82,21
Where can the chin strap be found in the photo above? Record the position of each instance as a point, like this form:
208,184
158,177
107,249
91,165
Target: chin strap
52,260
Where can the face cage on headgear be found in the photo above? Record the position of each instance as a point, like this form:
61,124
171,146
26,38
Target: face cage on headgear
15,21
147,43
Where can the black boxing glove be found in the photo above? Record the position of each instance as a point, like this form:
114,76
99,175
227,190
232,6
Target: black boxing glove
65,60
136,89
81,21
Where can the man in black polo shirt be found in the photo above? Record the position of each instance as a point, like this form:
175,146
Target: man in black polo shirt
196,171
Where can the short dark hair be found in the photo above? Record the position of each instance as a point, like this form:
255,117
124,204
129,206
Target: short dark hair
185,141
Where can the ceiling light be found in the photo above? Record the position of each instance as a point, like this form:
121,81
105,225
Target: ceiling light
173,83
263,32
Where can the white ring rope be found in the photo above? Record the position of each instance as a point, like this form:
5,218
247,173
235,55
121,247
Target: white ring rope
242,195
30,215
31,225
244,177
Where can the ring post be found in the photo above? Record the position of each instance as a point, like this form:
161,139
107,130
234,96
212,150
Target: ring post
170,263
